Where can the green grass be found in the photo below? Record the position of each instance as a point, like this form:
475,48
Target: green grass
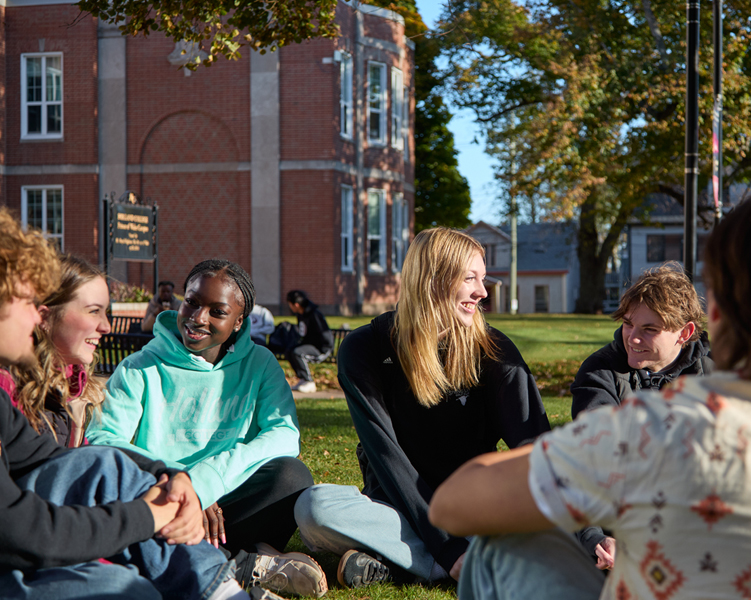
328,447
552,345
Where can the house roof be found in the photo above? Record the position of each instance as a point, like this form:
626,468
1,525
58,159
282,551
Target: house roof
545,247
480,225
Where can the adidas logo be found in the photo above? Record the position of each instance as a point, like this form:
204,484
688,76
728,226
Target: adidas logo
388,361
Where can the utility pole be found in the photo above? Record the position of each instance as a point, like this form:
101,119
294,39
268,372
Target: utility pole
692,137
514,301
717,111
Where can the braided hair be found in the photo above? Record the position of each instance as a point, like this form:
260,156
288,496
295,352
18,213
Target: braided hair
219,266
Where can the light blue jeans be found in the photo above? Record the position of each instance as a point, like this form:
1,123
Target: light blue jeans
338,518
147,570
536,566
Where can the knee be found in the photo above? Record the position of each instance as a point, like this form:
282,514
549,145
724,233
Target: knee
291,474
317,507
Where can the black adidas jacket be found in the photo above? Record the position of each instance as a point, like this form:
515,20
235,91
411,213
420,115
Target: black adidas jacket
407,450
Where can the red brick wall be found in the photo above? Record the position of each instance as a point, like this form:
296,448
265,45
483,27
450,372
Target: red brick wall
3,103
156,89
80,208
310,234
307,94
201,214
78,43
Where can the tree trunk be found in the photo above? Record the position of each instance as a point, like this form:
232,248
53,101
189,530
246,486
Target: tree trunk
593,255
591,266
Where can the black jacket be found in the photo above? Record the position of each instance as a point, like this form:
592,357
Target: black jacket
36,534
406,450
606,378
314,330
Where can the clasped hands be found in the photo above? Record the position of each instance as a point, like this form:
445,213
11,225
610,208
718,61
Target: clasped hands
176,509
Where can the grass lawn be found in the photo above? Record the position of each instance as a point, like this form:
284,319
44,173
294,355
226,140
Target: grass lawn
553,345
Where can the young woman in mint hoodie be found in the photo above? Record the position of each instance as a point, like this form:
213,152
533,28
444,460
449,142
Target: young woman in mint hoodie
203,397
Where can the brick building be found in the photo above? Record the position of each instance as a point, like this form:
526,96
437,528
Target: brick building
298,164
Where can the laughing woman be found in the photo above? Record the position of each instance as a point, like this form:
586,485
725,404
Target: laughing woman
58,393
203,397
428,386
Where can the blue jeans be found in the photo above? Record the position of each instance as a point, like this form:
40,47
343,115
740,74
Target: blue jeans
549,564
150,569
338,518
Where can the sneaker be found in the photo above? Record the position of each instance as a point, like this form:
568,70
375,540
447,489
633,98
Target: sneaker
291,573
258,593
229,590
357,569
306,387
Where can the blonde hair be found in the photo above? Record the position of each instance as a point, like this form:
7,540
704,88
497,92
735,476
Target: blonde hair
25,258
48,377
436,351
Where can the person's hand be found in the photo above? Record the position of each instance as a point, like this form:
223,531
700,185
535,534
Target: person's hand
161,508
213,525
457,568
605,552
187,526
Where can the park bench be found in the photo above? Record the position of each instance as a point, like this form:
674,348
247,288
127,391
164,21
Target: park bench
126,338
339,335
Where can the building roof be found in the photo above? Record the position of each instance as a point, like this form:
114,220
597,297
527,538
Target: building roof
473,229
545,246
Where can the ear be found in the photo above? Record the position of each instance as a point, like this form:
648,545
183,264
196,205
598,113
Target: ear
238,323
44,312
687,332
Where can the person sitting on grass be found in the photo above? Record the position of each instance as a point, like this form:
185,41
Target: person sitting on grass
316,341
428,387
667,472
62,509
661,338
58,392
203,397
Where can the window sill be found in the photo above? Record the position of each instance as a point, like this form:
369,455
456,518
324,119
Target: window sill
50,138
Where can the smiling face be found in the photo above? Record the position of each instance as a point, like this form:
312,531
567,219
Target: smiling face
18,317
649,345
209,315
471,290
75,331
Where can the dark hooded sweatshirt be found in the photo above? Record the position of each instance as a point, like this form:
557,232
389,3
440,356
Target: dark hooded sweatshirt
34,533
407,450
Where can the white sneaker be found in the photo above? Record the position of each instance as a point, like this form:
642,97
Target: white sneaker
230,590
306,387
291,573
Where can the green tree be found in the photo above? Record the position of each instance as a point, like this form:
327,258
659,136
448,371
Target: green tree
583,105
442,194
221,27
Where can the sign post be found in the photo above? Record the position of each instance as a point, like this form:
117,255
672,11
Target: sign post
131,231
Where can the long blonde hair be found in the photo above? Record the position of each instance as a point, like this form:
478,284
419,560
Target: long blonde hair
436,351
35,384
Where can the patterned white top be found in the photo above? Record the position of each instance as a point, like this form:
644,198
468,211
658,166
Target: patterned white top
669,474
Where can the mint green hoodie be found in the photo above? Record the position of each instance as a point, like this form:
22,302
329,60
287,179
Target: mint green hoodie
219,422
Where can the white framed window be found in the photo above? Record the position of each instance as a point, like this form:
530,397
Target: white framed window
42,96
377,102
397,108
405,124
376,230
399,232
345,96
347,228
42,208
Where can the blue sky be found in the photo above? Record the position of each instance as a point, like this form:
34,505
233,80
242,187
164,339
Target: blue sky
474,164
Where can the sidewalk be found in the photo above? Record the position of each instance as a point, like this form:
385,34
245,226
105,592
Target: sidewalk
318,395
